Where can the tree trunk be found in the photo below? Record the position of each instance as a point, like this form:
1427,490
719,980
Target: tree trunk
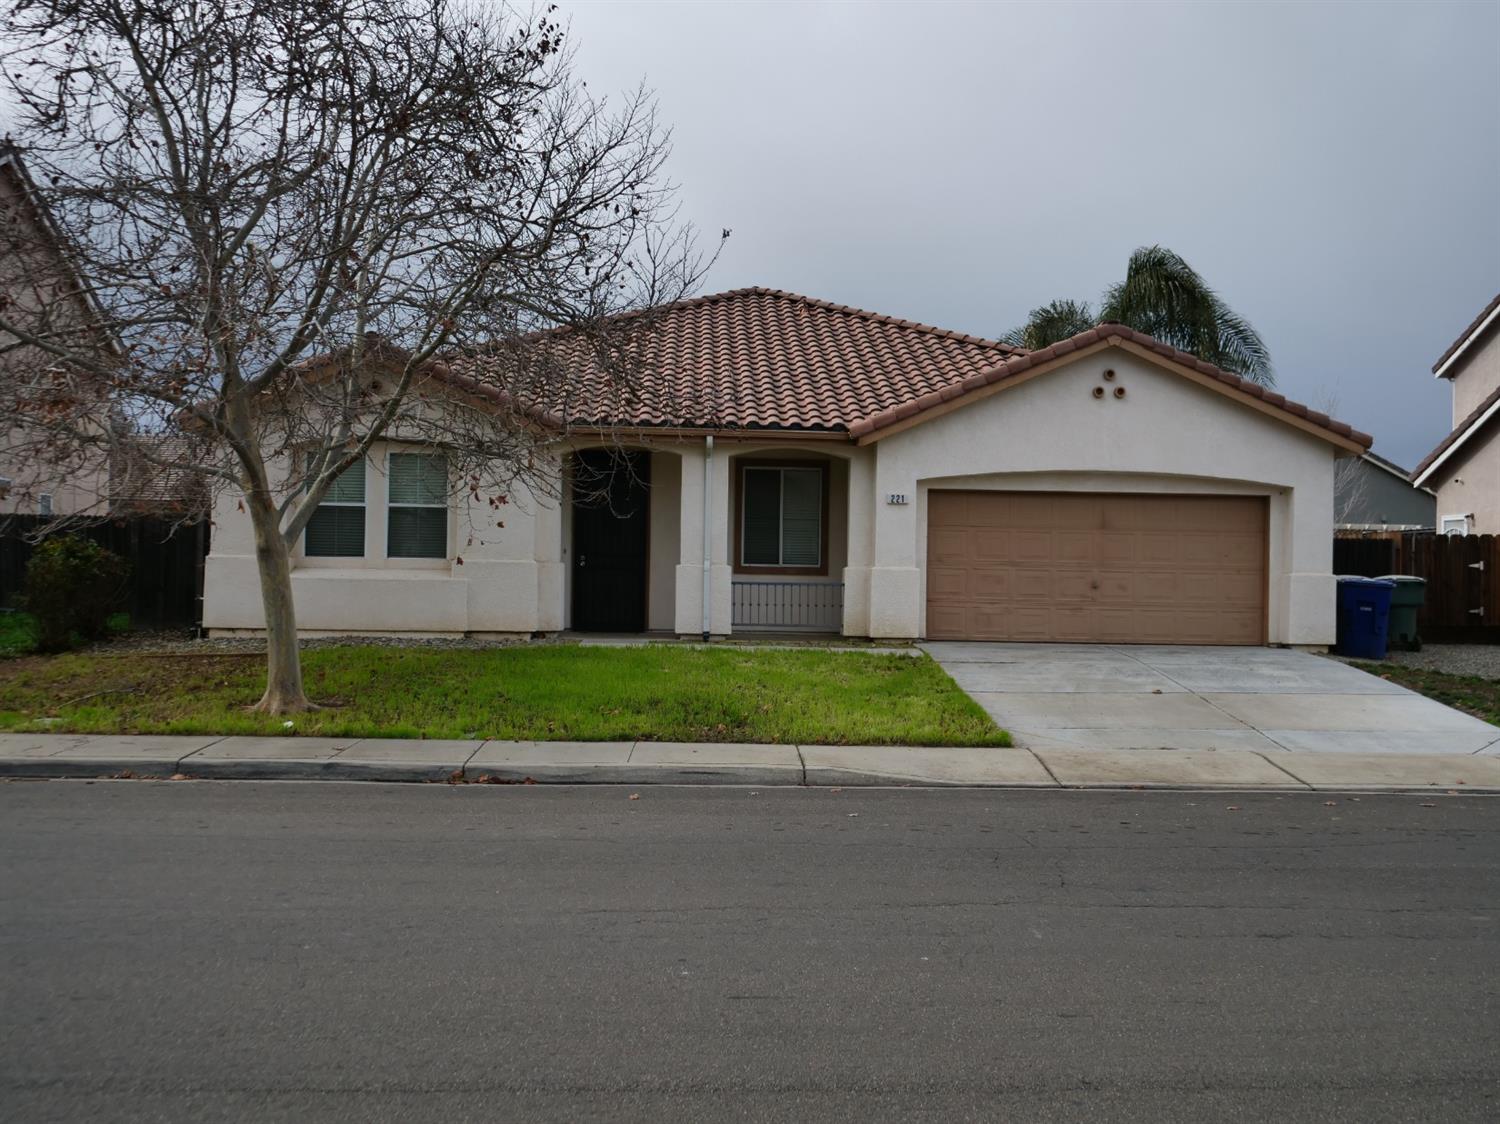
284,694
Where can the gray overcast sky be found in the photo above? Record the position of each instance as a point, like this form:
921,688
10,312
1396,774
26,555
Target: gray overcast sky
1332,169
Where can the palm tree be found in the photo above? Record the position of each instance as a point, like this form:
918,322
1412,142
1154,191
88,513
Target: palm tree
1164,297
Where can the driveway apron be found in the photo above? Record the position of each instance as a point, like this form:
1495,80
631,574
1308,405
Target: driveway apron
1109,697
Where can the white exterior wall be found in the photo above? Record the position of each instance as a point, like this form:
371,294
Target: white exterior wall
509,581
1167,434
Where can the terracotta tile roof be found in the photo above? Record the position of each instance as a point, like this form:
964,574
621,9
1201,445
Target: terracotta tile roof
746,359
1463,336
1460,432
767,359
1018,364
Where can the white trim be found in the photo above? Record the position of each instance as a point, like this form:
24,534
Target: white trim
1453,448
1445,519
1467,340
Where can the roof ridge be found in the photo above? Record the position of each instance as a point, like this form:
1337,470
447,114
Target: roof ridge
1018,363
876,317
725,295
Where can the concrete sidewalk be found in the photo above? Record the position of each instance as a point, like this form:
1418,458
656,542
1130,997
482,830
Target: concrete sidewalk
641,763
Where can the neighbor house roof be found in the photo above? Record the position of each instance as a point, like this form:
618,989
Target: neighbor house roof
1481,415
153,474
768,359
1486,319
1390,466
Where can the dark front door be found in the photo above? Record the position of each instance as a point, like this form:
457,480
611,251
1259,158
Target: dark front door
610,527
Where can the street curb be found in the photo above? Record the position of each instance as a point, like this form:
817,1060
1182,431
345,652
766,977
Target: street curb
304,769
384,761
746,776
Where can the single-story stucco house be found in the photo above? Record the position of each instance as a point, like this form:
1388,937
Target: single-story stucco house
854,473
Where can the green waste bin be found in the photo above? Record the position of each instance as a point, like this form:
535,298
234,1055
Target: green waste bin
1406,599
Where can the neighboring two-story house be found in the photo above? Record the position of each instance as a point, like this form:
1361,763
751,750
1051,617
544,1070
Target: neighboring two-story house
1464,469
38,474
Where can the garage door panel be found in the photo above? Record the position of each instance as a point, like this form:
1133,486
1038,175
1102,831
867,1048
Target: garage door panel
1075,546
1096,567
948,546
991,546
1031,546
945,582
1033,585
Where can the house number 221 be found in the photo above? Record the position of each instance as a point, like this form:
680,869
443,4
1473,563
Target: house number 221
896,498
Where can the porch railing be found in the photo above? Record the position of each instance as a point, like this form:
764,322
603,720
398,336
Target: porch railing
793,606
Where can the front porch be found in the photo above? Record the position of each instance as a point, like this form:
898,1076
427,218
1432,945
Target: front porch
693,539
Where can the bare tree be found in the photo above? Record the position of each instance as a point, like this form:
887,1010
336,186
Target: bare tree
292,211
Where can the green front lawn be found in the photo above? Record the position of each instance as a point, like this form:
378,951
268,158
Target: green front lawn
1469,693
552,692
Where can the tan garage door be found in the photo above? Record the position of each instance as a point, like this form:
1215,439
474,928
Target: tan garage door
1092,567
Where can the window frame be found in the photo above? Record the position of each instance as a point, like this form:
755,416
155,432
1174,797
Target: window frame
363,505
1443,520
743,466
445,506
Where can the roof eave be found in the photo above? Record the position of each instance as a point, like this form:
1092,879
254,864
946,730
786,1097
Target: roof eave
1014,372
1425,474
1444,367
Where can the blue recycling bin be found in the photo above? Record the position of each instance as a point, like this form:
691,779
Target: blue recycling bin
1364,617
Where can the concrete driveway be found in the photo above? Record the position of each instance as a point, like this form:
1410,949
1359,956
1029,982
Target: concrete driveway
1091,696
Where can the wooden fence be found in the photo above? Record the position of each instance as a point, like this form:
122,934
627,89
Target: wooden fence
166,564
1462,572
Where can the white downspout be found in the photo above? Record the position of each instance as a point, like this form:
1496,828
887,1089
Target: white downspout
708,507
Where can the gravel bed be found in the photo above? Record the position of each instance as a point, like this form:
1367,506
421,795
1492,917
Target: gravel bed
1482,660
182,642
1455,659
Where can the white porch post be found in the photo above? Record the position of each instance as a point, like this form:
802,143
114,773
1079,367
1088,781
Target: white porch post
860,531
689,616
896,592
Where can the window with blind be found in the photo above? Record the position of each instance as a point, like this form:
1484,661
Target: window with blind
337,527
781,517
417,525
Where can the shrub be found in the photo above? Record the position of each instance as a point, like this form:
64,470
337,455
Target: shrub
72,586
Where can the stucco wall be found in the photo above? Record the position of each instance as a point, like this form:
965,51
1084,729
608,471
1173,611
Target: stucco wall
1167,434
494,580
1476,375
666,549
1470,484
76,479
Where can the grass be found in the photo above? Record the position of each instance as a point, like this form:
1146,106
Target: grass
1470,693
554,692
16,634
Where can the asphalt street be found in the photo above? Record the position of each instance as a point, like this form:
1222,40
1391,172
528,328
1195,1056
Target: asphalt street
210,951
